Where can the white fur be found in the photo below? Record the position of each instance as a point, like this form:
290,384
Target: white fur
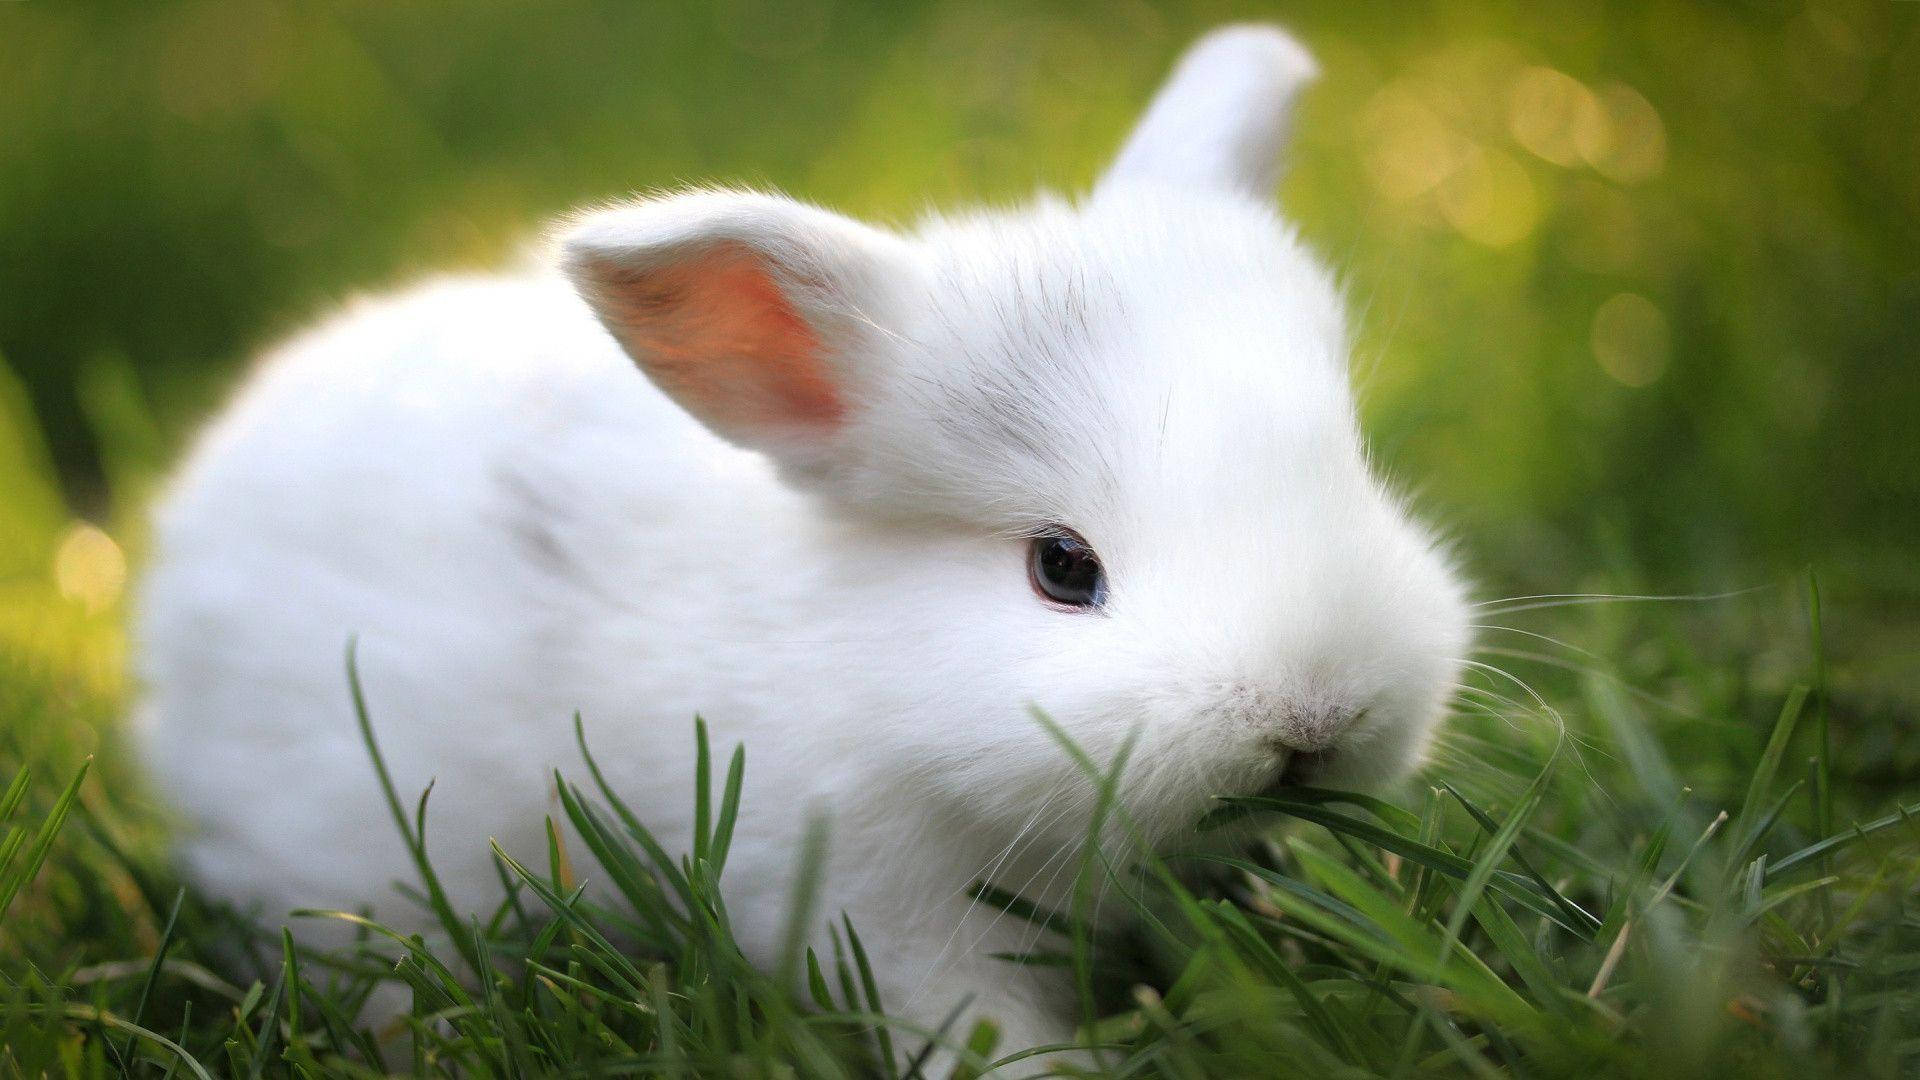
474,479
1222,118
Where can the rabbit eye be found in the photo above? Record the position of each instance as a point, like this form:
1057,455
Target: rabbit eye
1065,571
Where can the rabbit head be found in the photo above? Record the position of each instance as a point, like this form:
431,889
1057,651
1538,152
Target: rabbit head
1131,416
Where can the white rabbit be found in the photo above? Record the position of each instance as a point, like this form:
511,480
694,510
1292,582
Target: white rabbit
862,499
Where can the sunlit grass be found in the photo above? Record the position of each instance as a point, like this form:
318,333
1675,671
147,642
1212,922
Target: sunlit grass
1559,896
1634,292
1639,851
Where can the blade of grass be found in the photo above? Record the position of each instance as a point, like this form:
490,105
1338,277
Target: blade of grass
1380,808
1520,888
1756,834
702,791
13,879
1269,962
1769,764
1833,844
1022,908
1575,914
159,958
871,991
564,907
16,792
1418,951
269,1026
88,1014
630,878
802,906
1823,739
441,907
1484,871
729,811
669,868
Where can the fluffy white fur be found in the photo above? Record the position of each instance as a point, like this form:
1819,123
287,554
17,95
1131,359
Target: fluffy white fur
475,479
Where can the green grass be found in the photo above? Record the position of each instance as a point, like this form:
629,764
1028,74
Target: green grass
1599,876
1557,896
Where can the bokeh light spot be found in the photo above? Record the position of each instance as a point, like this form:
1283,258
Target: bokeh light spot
1635,146
88,567
1631,340
1409,148
1555,116
1489,199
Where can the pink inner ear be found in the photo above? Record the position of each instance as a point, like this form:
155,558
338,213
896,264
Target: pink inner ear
716,332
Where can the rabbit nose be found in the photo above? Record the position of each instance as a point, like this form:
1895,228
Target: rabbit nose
1310,731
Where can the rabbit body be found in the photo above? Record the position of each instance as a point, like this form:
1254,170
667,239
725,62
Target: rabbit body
472,482
727,454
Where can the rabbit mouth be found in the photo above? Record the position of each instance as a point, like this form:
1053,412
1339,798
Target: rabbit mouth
1307,767
1301,768
1285,769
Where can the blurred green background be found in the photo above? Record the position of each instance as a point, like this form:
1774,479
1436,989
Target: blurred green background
1638,284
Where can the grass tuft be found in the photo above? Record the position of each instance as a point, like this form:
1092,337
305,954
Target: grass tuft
1577,889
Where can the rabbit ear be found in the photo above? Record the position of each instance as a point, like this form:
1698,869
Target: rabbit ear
754,312
1223,115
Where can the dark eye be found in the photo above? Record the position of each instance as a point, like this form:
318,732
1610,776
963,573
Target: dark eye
1066,571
